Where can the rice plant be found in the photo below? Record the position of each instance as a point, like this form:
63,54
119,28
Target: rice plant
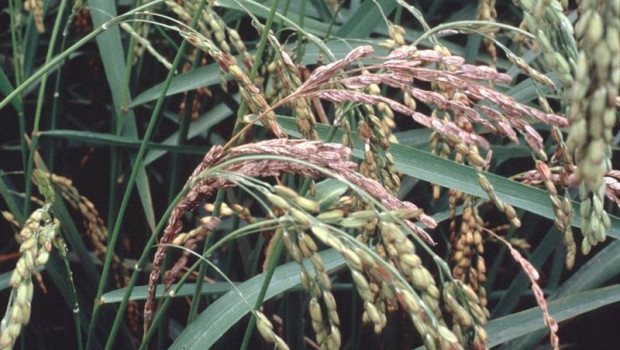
237,174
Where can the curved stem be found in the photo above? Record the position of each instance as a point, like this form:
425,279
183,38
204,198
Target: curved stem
464,25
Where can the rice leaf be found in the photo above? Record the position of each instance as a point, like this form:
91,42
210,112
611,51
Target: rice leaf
225,312
435,169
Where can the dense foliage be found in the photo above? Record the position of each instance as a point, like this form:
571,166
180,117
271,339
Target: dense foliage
310,174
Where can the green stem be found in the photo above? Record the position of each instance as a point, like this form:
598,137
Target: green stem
257,60
274,258
183,131
166,302
16,40
464,25
300,40
398,15
284,13
271,267
242,109
51,159
128,64
193,310
167,298
113,237
333,22
116,130
16,43
58,59
142,261
174,164
39,108
76,305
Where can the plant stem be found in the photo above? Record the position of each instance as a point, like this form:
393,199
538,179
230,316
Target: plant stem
183,130
238,132
113,237
37,116
274,258
202,271
16,40
61,56
140,265
76,305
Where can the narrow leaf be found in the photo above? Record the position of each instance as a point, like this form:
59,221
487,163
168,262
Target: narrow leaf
199,77
213,323
6,87
187,290
435,169
366,18
113,59
95,138
510,327
10,201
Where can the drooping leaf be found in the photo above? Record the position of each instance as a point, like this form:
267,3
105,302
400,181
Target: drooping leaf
438,170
